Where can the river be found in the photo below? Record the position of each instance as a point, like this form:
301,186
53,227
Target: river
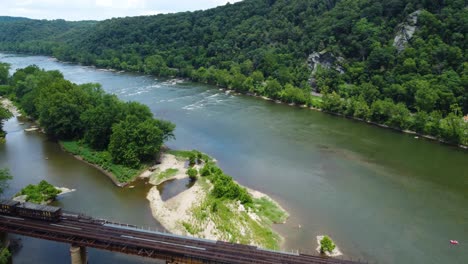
382,196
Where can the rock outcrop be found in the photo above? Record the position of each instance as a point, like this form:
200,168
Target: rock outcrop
405,31
324,59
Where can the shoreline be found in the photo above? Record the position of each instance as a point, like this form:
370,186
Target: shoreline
428,137
8,104
109,174
16,113
190,212
408,132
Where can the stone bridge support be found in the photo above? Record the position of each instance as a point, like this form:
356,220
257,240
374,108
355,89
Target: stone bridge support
78,255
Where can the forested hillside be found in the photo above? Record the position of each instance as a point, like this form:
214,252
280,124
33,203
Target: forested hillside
262,47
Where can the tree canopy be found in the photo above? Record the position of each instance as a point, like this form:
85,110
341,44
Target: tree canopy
67,111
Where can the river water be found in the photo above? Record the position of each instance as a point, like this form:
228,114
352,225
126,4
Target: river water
382,196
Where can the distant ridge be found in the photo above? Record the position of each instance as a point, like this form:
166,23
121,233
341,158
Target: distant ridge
12,19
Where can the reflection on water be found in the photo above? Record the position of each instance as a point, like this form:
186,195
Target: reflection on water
171,188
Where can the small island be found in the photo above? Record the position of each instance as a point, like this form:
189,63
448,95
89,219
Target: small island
41,193
215,207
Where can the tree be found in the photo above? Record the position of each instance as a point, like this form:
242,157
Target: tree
369,92
167,129
4,114
59,115
98,121
333,103
453,129
133,142
272,88
138,110
155,65
426,98
361,109
326,245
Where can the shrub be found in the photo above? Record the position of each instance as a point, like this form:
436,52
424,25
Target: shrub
326,245
192,159
225,187
210,169
192,173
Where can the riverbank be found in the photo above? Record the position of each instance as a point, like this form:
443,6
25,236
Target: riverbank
196,212
8,104
409,132
116,173
120,175
314,104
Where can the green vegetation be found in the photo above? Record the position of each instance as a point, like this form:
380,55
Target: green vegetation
4,114
192,173
261,47
5,256
102,159
190,228
120,137
222,206
326,245
4,89
39,193
194,155
236,225
267,209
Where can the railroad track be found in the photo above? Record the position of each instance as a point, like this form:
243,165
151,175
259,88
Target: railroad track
131,240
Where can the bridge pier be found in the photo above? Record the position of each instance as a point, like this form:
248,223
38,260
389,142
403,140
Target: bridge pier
78,255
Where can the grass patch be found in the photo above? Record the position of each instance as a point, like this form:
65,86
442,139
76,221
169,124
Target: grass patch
267,209
190,228
102,159
187,154
238,226
159,178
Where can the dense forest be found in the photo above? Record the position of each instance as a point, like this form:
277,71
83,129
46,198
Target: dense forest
262,47
125,132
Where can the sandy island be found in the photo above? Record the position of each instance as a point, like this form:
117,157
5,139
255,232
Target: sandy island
185,214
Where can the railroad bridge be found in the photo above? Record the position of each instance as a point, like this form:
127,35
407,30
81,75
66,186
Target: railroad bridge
81,232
